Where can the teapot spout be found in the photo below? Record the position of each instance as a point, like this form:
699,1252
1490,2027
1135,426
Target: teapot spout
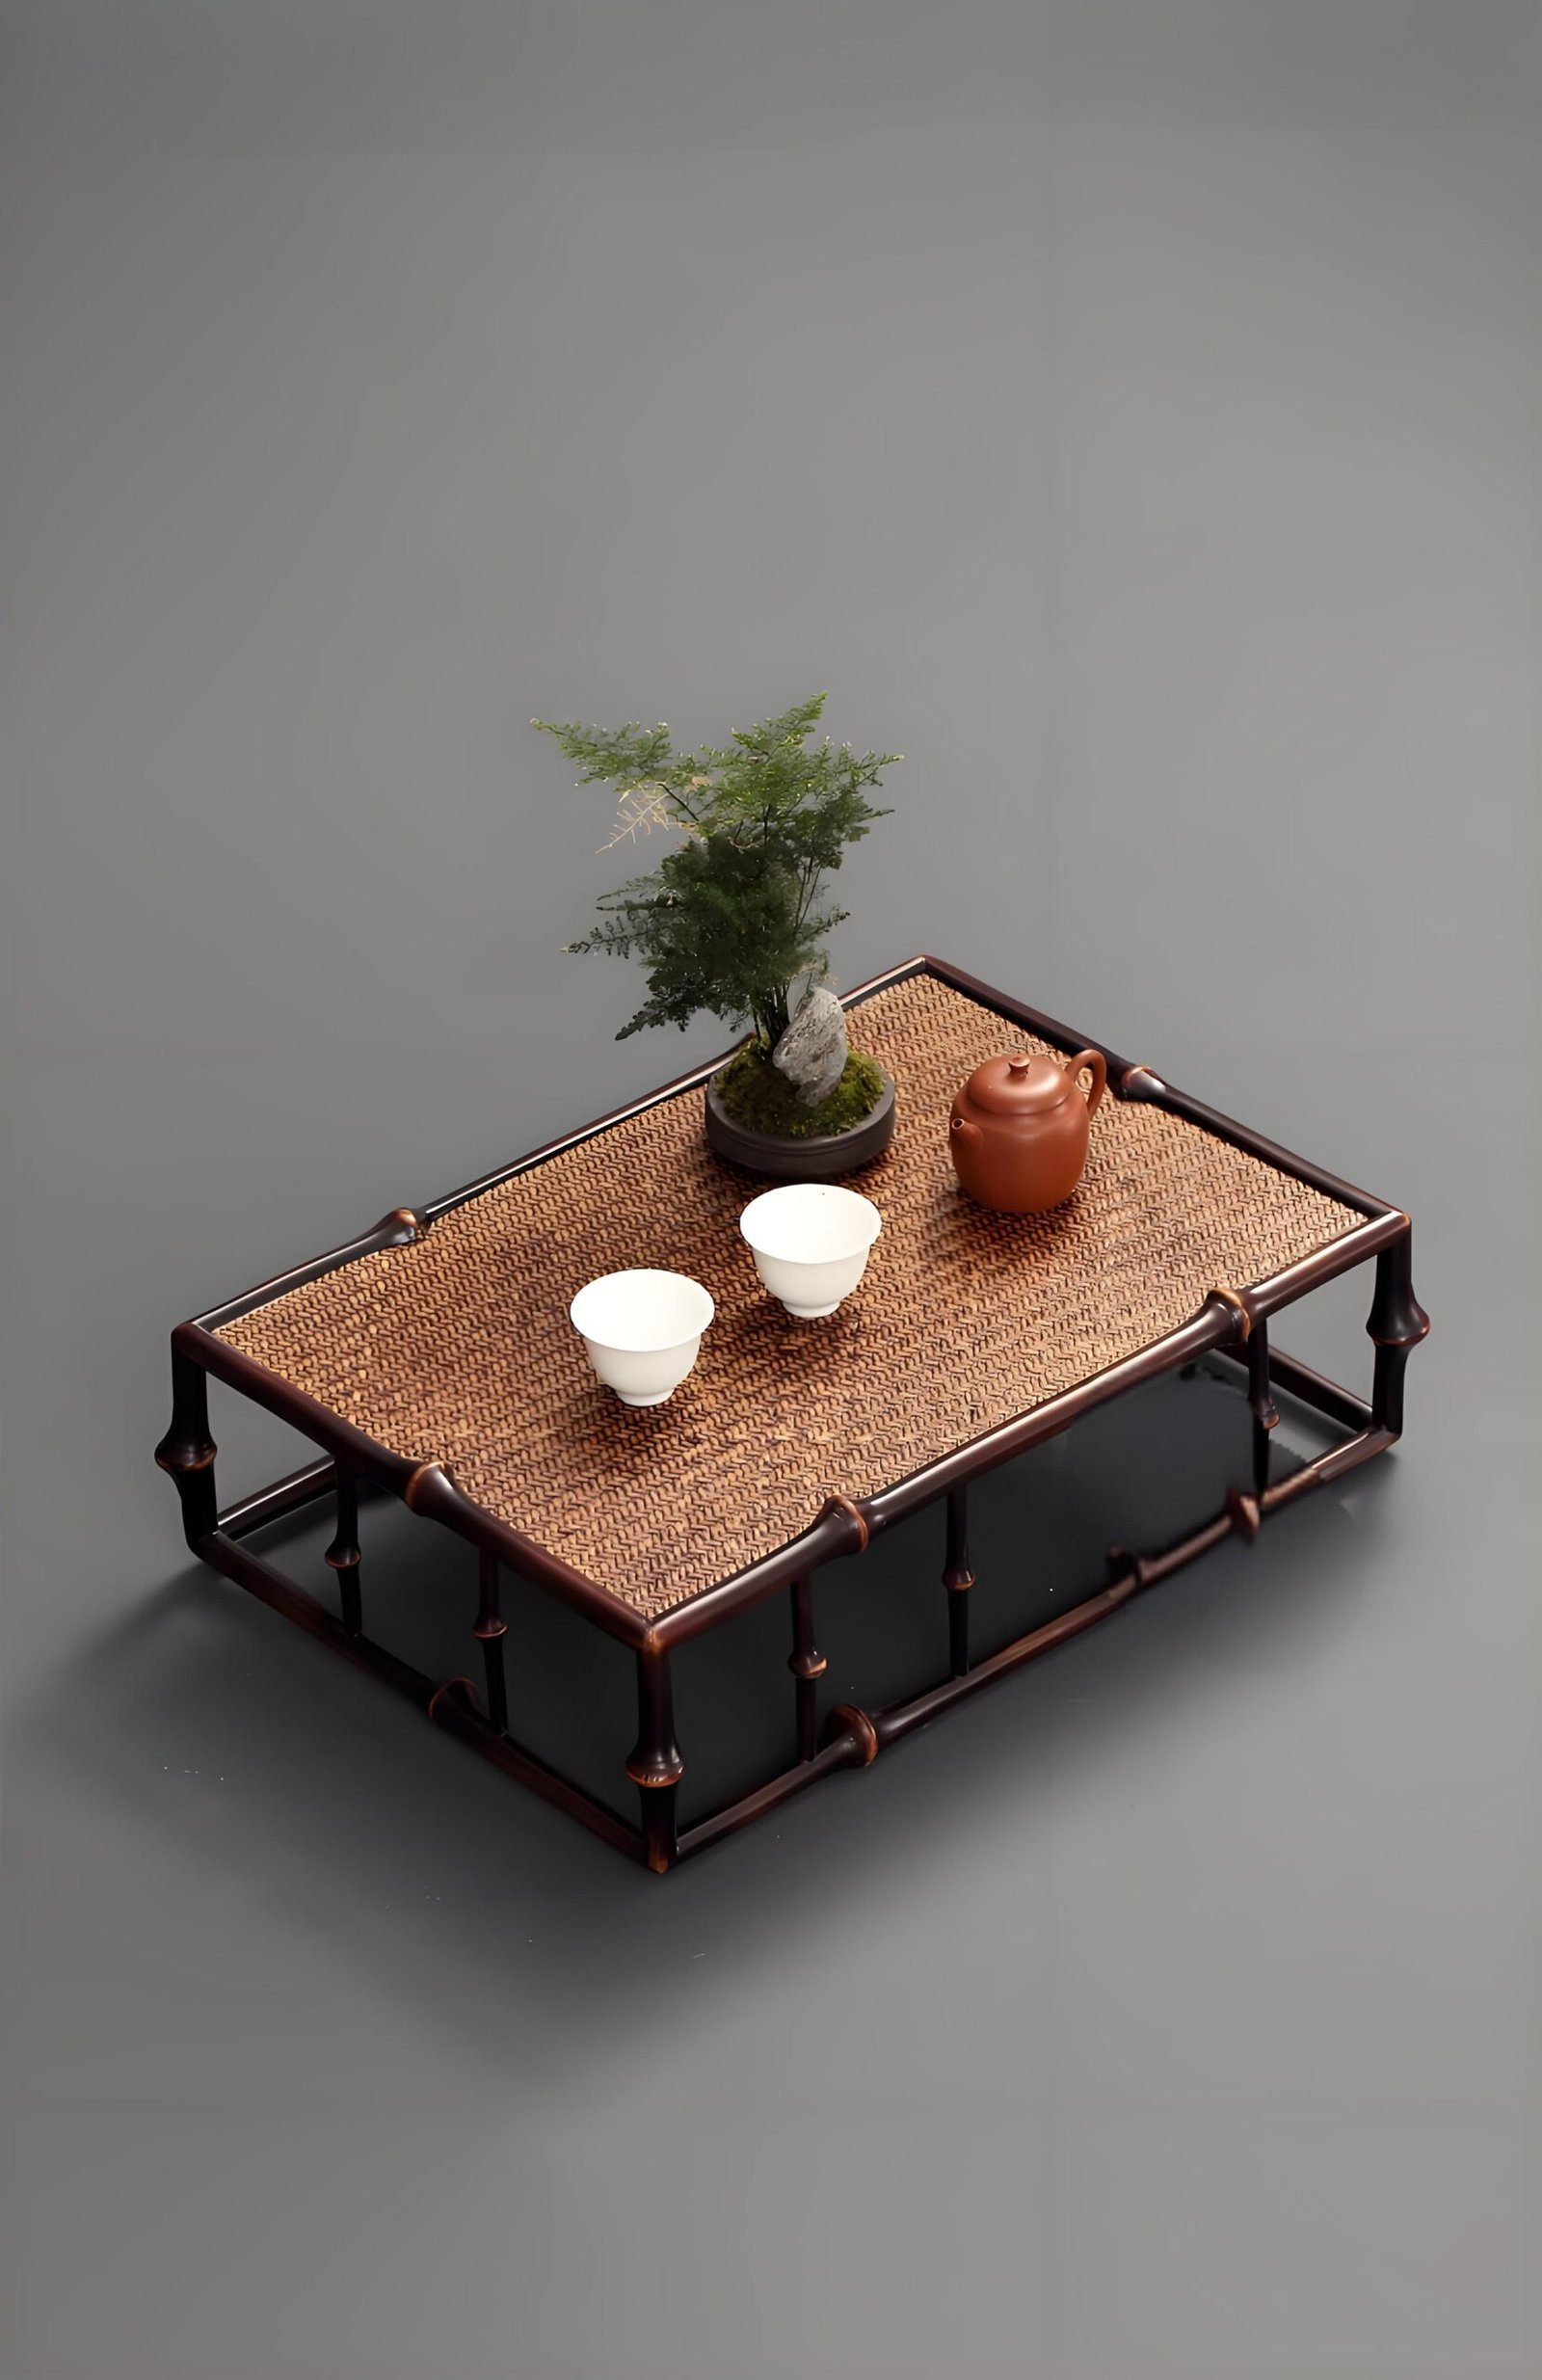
963,1129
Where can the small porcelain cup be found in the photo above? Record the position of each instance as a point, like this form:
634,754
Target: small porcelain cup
641,1330
811,1241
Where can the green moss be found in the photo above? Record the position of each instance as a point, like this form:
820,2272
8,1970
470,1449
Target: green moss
755,1095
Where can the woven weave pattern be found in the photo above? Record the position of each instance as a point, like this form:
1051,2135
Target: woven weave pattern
458,1347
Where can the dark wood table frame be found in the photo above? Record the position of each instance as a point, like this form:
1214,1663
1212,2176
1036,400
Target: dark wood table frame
1228,1321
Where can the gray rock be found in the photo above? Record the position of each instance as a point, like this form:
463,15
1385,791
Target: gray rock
812,1051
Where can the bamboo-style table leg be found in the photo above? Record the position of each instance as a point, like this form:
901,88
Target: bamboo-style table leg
807,1665
490,1629
655,1765
187,1451
958,1578
1397,1324
343,1553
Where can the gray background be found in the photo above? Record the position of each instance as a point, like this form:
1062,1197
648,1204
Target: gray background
1130,411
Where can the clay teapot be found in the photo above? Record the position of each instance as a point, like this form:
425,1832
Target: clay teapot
1018,1130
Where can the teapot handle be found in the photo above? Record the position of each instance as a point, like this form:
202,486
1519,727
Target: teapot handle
1100,1075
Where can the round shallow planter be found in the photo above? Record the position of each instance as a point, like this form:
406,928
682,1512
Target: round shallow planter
822,1158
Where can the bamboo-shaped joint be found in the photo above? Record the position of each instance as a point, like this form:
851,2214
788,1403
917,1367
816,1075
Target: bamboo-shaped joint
400,1227
187,1451
855,1514
655,1765
1397,1323
1240,1310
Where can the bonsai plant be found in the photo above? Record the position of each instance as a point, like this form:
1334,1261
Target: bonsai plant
735,916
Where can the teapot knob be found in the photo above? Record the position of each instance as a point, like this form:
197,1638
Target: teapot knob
1018,1065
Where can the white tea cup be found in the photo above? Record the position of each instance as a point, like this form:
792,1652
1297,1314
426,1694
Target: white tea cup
641,1330
810,1243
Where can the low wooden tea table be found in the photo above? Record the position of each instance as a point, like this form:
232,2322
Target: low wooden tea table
434,1358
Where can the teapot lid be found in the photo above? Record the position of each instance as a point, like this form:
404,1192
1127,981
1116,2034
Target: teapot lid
1019,1085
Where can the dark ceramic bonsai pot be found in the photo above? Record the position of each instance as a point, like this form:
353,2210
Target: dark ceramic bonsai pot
822,1158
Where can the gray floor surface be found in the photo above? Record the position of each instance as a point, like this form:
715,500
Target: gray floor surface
1164,482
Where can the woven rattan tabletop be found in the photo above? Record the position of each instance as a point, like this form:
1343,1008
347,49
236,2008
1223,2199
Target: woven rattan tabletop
457,1348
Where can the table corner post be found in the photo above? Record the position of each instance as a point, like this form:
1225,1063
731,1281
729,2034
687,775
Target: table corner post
655,1765
1397,1324
186,1453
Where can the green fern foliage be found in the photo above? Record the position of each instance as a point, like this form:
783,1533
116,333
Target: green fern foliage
735,914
